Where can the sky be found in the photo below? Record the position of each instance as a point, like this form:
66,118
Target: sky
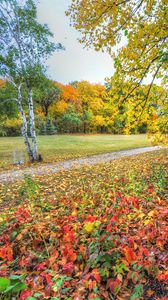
75,63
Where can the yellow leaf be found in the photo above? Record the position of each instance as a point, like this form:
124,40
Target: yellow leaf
152,213
89,227
97,224
146,222
141,215
130,216
120,277
74,213
55,288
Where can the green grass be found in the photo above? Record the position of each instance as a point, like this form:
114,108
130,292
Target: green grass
61,147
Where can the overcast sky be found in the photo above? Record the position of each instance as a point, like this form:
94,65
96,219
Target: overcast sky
75,63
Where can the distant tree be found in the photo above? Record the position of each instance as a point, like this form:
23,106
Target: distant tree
8,107
57,109
86,120
70,94
71,121
43,130
74,83
46,94
24,47
50,128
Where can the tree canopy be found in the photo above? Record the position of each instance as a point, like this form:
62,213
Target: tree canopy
143,50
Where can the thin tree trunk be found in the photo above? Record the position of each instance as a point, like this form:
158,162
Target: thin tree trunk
32,125
24,125
46,111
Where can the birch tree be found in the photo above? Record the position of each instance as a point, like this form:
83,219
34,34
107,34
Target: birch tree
24,47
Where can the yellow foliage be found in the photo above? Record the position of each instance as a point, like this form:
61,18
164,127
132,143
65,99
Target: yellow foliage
144,23
59,108
10,123
98,120
89,227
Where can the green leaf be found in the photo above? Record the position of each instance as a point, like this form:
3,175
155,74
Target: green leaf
17,287
126,32
16,277
138,291
37,295
20,287
68,278
64,291
14,235
132,275
4,284
95,289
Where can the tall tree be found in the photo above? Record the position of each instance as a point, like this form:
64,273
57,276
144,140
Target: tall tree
143,51
24,47
46,94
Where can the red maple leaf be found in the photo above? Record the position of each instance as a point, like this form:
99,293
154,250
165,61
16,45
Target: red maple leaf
130,254
68,268
25,294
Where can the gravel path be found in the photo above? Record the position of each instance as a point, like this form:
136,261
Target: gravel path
68,164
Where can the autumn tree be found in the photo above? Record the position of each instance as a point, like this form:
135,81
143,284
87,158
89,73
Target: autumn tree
142,52
24,47
91,98
130,116
68,101
70,94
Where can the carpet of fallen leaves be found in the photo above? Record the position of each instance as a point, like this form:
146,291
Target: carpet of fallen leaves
90,233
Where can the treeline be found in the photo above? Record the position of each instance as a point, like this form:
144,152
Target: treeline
82,107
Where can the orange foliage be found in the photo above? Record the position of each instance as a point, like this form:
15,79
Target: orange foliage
2,83
70,94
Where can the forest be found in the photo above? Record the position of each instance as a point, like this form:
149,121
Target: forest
84,107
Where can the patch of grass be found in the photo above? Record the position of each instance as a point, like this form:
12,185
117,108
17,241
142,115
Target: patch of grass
61,147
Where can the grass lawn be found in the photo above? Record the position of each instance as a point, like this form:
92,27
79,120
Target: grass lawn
61,147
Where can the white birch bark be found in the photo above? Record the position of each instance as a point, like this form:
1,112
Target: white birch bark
32,125
24,125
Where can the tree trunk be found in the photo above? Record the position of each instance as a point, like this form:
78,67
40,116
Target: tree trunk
46,111
32,125
24,125
84,127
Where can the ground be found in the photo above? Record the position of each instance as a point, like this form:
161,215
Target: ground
95,232
61,147
49,168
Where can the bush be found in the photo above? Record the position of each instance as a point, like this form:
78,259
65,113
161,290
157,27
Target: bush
12,127
43,129
50,127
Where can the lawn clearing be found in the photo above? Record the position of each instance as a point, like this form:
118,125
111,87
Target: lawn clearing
60,147
90,233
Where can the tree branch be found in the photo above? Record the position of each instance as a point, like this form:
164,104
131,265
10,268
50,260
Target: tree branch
148,93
